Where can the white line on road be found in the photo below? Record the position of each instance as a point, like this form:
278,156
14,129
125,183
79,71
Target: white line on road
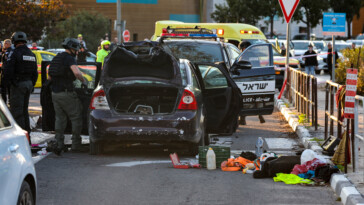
37,158
136,163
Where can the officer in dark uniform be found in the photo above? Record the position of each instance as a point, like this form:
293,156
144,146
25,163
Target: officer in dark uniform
5,89
63,71
21,73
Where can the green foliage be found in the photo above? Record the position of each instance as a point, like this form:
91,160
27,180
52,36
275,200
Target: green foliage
32,18
350,7
310,13
269,8
237,11
302,119
91,25
351,59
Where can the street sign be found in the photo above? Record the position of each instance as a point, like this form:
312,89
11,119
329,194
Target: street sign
351,82
288,8
334,24
126,36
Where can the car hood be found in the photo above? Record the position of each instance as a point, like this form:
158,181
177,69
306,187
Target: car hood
141,61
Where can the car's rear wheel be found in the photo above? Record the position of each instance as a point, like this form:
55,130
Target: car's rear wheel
204,140
96,148
25,195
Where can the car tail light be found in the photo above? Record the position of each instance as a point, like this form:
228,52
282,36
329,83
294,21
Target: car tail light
164,30
188,101
27,135
220,32
99,101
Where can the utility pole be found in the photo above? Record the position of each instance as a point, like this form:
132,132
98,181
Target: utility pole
118,19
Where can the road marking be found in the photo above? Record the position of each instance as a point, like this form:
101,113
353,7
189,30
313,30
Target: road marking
136,163
37,158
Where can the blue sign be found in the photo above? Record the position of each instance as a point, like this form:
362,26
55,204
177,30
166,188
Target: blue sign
130,1
334,24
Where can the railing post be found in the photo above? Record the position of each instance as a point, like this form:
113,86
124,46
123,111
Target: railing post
339,126
347,145
316,104
353,144
326,110
331,110
308,97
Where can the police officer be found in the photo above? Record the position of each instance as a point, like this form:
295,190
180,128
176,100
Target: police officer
21,73
5,89
63,71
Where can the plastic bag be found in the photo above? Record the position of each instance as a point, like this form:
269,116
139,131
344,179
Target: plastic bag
309,155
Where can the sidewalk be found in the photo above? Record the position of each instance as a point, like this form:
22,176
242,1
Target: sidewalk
306,134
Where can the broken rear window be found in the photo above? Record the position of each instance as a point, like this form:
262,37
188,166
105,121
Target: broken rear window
196,52
152,62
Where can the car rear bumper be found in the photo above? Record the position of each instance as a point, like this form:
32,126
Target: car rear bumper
181,126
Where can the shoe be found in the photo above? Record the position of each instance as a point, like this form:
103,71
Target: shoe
57,151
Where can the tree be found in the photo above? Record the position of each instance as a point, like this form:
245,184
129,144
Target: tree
91,25
33,18
269,8
237,11
310,13
350,7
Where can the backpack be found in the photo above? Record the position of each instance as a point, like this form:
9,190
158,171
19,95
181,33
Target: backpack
56,68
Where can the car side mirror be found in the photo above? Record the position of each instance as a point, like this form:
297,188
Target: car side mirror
242,64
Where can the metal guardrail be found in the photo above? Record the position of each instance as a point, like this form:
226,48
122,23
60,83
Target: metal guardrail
302,92
351,125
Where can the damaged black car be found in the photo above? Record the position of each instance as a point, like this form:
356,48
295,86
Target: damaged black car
146,95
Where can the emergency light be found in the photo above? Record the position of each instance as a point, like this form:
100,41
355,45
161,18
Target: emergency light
249,32
189,35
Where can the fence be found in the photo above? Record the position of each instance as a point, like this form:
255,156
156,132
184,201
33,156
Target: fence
351,125
302,92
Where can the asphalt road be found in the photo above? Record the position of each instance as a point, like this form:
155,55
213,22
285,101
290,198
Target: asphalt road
123,176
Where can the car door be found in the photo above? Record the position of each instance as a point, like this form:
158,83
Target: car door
91,71
253,72
221,97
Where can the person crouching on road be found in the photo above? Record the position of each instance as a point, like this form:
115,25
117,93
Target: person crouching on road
20,72
103,52
63,71
311,61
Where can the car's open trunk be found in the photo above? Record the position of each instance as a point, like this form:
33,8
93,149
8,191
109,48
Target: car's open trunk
143,99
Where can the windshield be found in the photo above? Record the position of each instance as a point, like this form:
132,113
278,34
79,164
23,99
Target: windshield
255,41
319,45
300,45
196,52
340,47
360,37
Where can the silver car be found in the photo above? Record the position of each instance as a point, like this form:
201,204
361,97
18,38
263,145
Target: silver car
17,173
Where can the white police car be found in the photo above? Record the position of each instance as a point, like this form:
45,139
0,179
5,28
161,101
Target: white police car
17,173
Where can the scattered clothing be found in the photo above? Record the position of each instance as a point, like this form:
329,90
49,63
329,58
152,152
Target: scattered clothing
273,165
232,165
325,172
291,179
308,175
310,165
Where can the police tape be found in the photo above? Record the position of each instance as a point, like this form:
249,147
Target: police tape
302,56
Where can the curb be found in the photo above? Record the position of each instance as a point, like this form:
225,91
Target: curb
300,130
340,184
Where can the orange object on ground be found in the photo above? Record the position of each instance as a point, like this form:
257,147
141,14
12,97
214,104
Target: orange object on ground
232,165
